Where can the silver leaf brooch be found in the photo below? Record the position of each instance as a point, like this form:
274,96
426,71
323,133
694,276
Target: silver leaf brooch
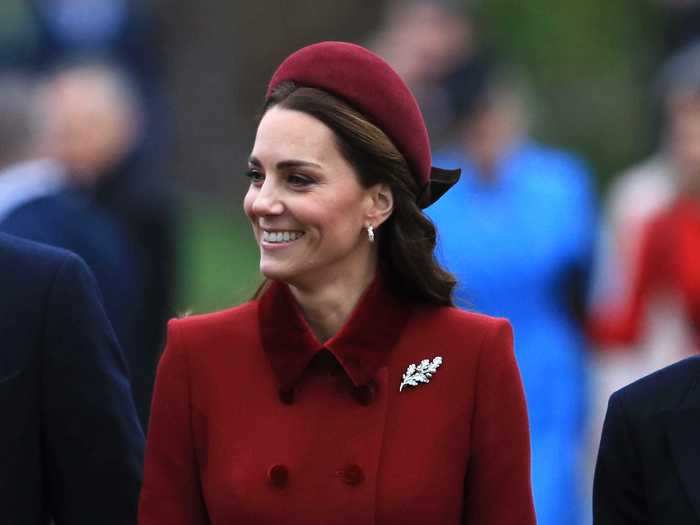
420,373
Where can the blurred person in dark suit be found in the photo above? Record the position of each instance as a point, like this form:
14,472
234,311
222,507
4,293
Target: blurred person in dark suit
648,469
124,32
36,203
109,168
71,448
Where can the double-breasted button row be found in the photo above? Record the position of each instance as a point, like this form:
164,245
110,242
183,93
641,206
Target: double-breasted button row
278,475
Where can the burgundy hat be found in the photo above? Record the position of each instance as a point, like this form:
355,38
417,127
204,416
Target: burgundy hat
371,86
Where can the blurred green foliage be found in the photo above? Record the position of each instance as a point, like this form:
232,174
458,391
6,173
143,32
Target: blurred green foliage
218,257
590,65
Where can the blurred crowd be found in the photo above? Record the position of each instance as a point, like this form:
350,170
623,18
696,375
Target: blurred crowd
600,291
82,136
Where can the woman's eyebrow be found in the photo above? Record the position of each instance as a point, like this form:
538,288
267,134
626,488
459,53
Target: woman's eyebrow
285,164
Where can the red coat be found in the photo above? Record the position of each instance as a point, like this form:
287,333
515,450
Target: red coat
669,261
251,426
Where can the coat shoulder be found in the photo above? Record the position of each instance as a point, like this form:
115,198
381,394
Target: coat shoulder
223,320
210,331
457,321
22,253
660,391
459,331
27,265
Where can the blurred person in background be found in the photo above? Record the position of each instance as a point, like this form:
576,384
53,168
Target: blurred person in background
517,231
108,166
657,310
425,41
38,36
636,196
37,203
71,447
666,263
122,32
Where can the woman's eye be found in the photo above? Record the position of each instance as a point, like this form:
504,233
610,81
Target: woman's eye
299,180
255,176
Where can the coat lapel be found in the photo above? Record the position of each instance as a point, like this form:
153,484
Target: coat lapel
684,438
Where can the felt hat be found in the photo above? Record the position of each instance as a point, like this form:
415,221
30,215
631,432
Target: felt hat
371,86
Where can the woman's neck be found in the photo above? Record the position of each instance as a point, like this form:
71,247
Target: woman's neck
327,307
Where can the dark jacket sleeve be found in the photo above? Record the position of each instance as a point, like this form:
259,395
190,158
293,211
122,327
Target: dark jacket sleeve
618,488
93,444
497,488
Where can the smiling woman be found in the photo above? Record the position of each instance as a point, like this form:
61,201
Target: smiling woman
307,206
301,405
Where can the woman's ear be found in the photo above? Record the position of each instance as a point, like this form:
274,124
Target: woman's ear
381,204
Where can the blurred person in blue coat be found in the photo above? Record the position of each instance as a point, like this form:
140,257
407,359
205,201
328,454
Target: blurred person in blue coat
71,448
517,230
37,203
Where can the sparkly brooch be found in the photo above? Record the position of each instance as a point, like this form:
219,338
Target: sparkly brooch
421,373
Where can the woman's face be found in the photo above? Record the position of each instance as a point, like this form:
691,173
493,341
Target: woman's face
305,203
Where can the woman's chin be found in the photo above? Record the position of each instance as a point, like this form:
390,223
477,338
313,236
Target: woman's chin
276,272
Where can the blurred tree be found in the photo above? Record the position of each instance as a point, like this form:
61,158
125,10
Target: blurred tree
591,64
18,33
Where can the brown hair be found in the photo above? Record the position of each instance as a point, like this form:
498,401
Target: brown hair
406,240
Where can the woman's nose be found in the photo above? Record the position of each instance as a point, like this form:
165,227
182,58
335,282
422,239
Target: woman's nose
267,200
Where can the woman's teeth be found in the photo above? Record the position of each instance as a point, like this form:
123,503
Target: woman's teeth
281,236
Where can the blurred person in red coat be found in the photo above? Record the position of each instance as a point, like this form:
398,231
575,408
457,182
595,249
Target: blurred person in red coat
349,390
668,260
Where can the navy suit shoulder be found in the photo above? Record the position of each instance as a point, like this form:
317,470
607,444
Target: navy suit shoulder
69,220
71,443
646,472
659,391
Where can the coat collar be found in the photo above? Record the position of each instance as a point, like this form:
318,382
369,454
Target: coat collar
684,434
361,346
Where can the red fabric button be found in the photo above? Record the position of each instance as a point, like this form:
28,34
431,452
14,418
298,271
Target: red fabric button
364,394
352,475
286,396
278,476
